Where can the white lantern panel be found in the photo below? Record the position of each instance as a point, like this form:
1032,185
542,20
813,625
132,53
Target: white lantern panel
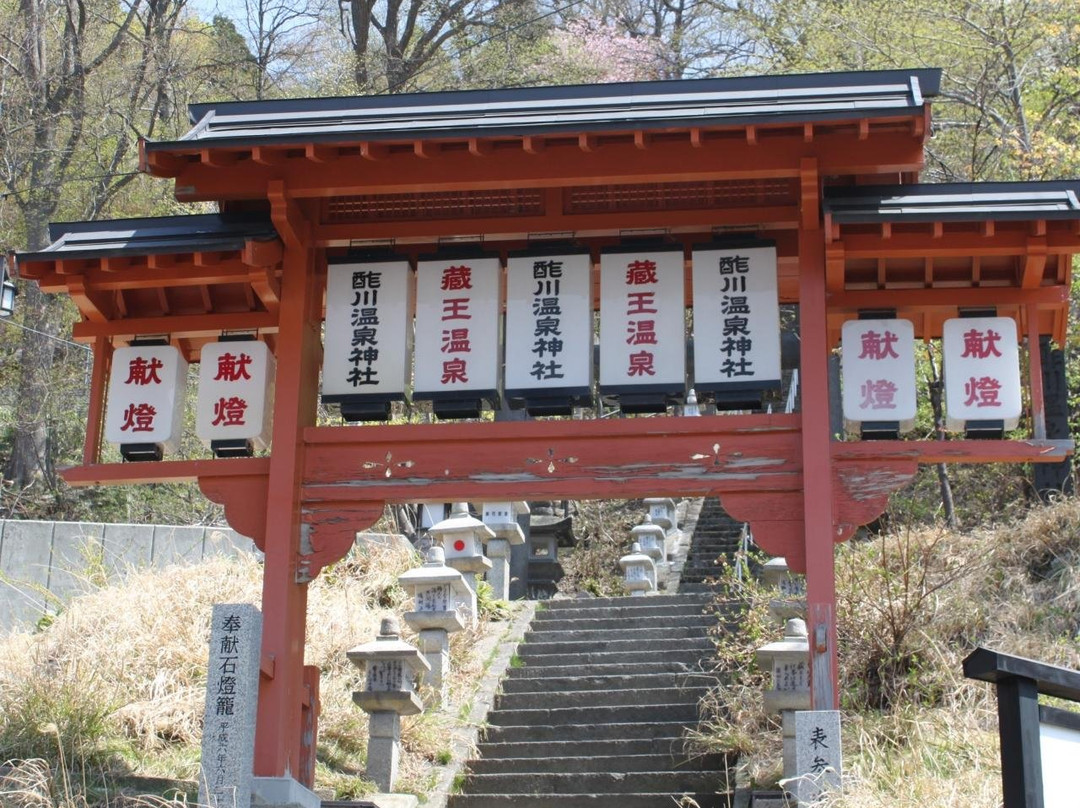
146,395
642,320
368,332
235,392
878,368
457,326
736,318
548,323
982,370
462,545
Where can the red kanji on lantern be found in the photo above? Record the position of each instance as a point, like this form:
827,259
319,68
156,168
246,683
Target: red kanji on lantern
641,364
141,372
456,308
229,411
640,303
139,418
981,344
640,272
878,394
878,346
454,371
641,332
982,391
232,368
459,277
456,340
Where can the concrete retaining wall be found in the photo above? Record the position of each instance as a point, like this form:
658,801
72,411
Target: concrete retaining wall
43,564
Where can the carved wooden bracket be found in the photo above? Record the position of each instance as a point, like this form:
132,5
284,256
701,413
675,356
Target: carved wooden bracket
244,499
329,531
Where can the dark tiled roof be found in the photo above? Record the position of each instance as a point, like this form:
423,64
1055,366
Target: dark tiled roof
151,236
577,108
954,202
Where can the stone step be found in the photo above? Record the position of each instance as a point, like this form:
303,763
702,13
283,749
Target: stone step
648,762
628,696
626,634
698,587
591,716
710,552
540,669
662,782
627,731
691,608
640,683
623,622
576,603
536,663
643,647
581,800
673,747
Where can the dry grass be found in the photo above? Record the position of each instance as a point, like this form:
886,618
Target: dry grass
114,687
603,537
911,605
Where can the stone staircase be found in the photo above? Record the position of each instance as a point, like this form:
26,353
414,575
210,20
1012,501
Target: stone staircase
716,536
597,710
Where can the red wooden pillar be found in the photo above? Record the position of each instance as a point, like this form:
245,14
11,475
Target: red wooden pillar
95,416
283,691
817,471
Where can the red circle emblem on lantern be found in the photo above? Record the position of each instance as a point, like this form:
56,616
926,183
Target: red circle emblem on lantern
459,545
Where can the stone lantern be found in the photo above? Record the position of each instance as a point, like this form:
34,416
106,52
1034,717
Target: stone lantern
502,519
442,604
790,587
691,408
640,571
662,512
462,538
392,668
788,660
651,538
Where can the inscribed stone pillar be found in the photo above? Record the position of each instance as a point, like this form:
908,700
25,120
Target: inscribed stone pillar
232,690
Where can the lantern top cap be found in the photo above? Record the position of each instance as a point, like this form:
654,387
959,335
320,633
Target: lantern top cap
387,647
433,575
459,521
793,647
647,528
636,557
795,628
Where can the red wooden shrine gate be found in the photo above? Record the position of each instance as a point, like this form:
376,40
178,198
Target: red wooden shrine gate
824,166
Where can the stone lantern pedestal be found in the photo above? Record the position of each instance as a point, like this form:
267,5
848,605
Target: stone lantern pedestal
442,603
462,538
391,668
501,518
789,661
639,571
